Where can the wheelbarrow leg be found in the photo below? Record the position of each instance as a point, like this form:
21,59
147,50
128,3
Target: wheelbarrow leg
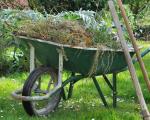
113,87
114,90
108,82
60,71
100,92
72,80
71,87
63,94
32,58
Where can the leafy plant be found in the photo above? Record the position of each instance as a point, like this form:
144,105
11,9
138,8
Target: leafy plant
143,17
66,28
57,6
136,5
10,20
143,23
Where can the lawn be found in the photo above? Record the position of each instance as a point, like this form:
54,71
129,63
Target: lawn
85,103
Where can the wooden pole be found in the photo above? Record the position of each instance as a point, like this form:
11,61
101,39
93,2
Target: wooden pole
133,39
135,81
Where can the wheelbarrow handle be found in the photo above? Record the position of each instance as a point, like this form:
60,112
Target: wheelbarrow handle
144,53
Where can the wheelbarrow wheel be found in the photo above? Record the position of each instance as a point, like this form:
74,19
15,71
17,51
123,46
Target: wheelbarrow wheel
39,83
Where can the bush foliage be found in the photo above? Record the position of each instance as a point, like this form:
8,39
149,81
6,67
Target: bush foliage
10,20
58,5
138,12
61,5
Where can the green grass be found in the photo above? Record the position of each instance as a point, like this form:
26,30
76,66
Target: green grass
85,103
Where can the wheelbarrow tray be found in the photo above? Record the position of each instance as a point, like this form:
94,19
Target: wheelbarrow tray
79,59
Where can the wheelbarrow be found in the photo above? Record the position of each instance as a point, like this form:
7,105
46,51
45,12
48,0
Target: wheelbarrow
44,87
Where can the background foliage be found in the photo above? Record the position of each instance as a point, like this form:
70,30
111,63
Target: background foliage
138,12
61,5
10,20
58,5
133,8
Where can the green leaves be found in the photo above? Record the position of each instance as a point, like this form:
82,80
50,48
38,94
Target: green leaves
71,16
56,6
10,20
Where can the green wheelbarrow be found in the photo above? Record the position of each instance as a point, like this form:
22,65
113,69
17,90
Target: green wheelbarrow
44,87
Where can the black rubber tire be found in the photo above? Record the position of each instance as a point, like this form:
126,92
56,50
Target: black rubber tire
27,89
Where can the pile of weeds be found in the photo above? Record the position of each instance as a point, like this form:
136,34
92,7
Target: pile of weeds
80,28
73,28
59,31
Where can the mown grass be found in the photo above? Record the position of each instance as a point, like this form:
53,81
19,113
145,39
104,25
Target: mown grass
85,103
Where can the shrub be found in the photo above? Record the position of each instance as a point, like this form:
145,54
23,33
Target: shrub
58,5
143,23
10,20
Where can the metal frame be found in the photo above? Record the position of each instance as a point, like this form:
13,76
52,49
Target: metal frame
100,91
32,58
113,86
72,80
17,94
